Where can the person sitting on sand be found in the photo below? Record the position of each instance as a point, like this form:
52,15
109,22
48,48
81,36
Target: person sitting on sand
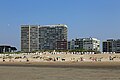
27,60
3,60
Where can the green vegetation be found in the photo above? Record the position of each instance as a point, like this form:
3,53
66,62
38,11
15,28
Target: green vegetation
11,53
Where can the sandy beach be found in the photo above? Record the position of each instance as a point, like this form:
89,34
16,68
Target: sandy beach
59,57
60,71
89,65
60,67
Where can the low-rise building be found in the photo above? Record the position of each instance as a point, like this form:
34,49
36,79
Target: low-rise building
62,45
111,45
6,48
91,44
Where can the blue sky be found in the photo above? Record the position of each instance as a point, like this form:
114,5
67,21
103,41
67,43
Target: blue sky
85,18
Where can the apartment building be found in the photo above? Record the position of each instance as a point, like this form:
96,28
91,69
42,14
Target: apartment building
43,37
111,45
29,38
92,44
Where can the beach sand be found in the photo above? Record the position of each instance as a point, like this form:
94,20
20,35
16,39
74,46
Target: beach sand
60,71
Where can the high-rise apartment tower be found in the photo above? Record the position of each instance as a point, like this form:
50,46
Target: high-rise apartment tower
43,37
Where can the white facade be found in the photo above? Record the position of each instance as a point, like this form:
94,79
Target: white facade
91,44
